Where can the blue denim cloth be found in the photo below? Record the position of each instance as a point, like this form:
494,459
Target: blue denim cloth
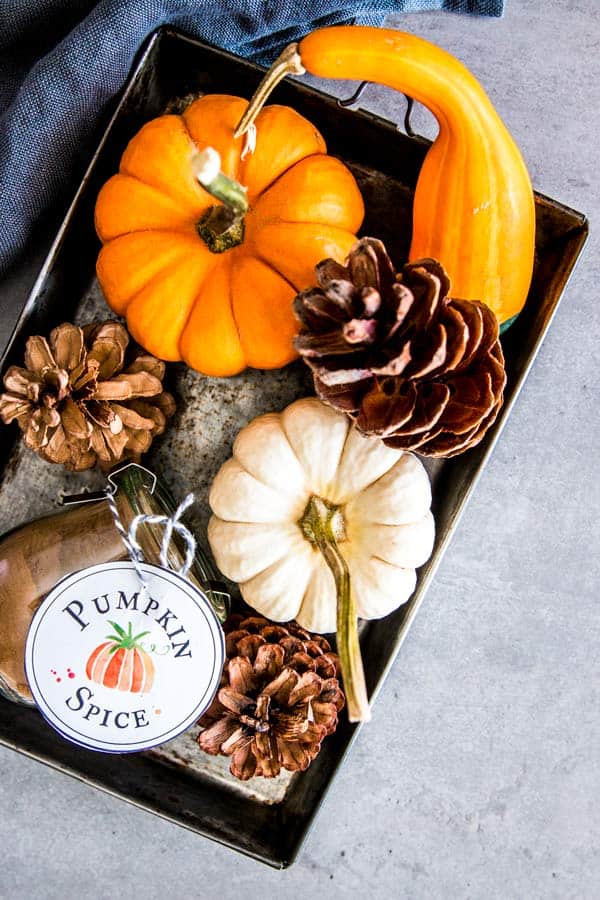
61,62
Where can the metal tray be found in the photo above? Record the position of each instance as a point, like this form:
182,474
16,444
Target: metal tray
266,820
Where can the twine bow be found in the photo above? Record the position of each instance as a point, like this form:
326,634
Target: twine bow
171,524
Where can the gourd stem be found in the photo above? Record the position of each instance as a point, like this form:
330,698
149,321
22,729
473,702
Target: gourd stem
287,63
319,526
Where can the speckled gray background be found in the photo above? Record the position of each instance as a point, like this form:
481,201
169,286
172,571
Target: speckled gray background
479,776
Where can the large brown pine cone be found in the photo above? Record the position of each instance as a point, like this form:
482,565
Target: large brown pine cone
279,698
421,370
82,399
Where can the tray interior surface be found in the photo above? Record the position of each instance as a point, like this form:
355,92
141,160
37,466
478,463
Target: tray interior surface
264,819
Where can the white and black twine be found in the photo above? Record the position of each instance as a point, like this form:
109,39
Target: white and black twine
170,523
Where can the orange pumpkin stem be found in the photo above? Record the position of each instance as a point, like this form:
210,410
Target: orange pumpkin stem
221,227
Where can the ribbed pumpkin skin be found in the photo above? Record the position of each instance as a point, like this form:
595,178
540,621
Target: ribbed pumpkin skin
221,312
473,207
260,494
129,670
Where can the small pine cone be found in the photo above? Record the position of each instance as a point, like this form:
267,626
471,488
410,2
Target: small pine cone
81,399
279,697
408,363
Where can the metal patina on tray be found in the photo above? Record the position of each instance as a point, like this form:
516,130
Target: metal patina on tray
266,819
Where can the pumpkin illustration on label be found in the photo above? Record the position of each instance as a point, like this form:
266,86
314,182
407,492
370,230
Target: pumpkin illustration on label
121,662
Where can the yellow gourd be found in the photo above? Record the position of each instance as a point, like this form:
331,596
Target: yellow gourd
473,206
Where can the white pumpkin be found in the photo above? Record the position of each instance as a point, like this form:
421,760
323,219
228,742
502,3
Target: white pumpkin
379,500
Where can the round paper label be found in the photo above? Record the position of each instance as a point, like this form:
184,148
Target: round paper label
118,669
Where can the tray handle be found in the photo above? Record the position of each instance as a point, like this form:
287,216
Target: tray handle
355,97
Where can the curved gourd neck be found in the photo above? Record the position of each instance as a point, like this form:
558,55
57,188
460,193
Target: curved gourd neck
405,63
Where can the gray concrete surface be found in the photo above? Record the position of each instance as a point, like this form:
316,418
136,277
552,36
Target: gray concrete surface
479,776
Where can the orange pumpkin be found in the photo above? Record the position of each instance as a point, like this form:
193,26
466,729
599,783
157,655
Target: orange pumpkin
221,311
121,663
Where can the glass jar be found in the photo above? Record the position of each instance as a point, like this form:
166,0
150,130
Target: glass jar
35,556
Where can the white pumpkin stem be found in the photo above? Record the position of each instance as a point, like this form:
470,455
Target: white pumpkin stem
320,524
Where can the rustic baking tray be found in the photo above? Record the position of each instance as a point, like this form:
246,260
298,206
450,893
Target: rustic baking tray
264,819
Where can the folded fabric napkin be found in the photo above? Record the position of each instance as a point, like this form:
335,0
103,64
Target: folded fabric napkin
61,62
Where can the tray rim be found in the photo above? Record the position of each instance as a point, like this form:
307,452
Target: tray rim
580,235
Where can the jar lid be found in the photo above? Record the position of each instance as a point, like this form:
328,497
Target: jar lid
117,668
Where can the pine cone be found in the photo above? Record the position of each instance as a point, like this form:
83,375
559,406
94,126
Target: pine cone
279,698
78,401
420,370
